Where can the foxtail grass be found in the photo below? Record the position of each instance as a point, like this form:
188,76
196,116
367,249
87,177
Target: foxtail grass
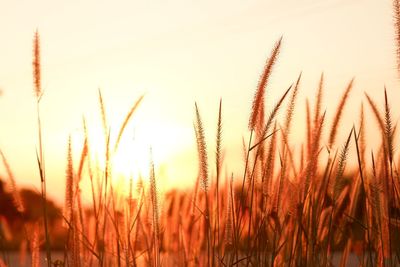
40,155
294,204
339,112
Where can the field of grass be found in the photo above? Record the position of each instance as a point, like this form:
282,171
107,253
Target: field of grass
288,207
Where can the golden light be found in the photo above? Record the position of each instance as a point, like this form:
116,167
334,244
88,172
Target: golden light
144,141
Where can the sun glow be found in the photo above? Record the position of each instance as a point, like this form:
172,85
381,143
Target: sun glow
143,142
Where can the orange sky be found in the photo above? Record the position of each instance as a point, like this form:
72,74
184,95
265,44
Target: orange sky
177,53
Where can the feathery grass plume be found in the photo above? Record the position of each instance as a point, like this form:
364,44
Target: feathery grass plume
291,106
203,172
317,133
218,151
84,155
218,165
309,128
103,114
269,167
202,151
390,182
312,164
318,102
36,66
69,185
361,136
156,215
383,129
15,193
40,156
126,120
388,130
396,11
258,101
339,112
287,151
288,123
376,113
338,183
260,121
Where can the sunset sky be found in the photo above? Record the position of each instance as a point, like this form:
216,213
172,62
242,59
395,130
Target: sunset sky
177,53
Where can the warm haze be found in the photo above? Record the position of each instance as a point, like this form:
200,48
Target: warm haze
229,133
177,53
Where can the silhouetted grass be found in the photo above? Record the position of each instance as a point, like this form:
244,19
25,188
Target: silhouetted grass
288,208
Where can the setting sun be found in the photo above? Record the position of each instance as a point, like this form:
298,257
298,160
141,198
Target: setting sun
148,142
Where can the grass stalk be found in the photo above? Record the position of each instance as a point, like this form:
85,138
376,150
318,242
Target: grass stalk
40,155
